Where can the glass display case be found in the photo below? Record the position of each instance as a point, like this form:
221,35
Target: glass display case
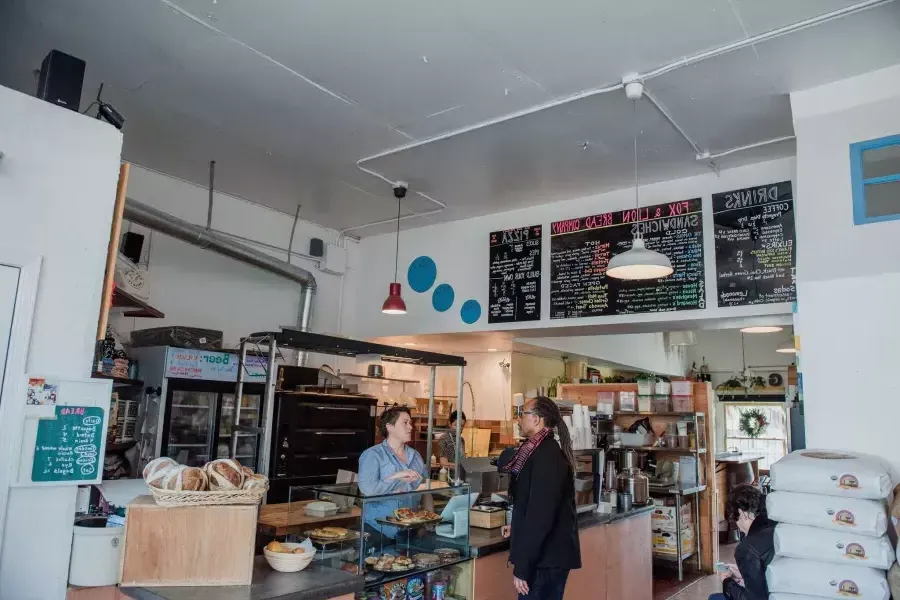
407,545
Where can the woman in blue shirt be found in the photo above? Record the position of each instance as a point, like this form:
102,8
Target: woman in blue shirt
390,467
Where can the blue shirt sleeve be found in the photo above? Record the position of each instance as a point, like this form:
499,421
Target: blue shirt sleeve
371,482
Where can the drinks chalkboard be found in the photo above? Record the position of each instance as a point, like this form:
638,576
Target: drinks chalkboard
67,448
580,250
755,251
515,275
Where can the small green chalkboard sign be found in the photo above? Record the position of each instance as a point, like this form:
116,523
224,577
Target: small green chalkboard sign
67,448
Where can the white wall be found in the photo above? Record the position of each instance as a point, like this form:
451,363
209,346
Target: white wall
722,350
638,351
200,288
460,250
848,281
57,190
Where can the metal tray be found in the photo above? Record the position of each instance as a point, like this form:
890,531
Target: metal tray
351,536
399,525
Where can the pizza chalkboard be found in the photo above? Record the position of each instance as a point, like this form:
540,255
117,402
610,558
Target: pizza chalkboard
755,250
580,250
515,275
67,448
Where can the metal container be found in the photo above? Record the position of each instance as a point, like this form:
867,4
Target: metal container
375,371
624,501
636,484
610,481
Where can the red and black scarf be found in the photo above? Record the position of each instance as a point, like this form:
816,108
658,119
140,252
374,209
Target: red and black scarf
515,465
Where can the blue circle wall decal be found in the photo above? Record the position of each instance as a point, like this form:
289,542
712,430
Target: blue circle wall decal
442,297
422,274
470,311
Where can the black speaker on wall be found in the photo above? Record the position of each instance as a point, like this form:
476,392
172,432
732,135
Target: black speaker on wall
316,248
62,77
132,244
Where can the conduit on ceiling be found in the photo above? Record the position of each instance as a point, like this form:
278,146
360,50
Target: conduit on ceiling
700,155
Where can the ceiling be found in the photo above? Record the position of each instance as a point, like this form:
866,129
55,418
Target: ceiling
287,96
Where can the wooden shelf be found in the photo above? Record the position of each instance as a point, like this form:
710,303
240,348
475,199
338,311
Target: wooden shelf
376,378
658,414
118,381
122,299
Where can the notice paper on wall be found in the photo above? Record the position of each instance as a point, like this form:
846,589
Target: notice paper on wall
63,443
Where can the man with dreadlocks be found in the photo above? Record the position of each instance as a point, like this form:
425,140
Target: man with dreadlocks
544,534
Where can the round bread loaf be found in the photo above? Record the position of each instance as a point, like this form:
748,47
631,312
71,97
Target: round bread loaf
255,482
193,479
155,471
173,477
247,471
224,474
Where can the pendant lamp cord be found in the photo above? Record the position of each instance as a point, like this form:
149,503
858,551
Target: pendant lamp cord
397,251
637,205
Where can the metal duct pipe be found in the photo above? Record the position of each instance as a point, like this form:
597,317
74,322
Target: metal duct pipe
201,237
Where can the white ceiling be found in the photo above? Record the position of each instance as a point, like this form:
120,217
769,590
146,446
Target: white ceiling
288,95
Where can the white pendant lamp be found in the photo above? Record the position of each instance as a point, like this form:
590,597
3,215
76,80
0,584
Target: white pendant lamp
638,262
762,329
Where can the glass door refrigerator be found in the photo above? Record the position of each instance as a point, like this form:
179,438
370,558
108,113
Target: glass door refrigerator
188,412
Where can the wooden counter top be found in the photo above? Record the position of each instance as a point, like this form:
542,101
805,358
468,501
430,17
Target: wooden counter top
290,517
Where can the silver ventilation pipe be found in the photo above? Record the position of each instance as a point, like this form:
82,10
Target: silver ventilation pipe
157,220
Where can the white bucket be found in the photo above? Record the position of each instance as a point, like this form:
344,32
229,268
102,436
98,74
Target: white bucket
96,553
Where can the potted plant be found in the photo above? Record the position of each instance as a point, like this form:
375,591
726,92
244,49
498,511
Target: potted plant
645,383
663,385
734,383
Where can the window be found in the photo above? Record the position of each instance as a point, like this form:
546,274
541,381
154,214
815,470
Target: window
773,442
875,174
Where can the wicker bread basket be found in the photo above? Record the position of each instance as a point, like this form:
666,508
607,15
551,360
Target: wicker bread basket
171,498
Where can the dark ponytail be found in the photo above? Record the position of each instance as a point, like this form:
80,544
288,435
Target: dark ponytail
547,409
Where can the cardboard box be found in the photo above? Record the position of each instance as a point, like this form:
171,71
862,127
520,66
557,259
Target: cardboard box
663,518
665,542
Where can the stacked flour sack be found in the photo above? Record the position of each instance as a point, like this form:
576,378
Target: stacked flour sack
832,514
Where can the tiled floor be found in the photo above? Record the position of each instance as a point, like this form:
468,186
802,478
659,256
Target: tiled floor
702,588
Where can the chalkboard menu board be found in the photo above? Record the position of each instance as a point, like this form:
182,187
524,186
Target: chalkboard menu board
755,251
580,250
67,448
515,275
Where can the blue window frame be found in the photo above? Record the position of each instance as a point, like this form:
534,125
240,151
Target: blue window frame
875,175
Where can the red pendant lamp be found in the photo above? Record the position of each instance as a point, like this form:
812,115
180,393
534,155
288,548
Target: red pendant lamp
394,305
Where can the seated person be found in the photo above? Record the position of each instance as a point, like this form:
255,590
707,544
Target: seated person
391,467
747,579
447,443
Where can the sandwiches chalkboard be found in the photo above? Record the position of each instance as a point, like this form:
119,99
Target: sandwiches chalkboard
755,249
515,275
580,250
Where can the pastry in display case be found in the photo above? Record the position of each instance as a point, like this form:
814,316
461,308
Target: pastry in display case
407,545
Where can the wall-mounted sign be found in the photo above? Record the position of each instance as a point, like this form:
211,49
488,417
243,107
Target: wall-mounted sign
213,366
755,249
67,448
515,275
580,250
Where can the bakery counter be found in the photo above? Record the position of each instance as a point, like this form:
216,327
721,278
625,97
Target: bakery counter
488,541
313,583
615,557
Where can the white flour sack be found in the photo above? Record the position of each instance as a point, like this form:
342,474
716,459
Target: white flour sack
841,547
795,597
852,515
825,580
832,473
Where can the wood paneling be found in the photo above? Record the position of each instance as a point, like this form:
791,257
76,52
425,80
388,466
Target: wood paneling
629,571
184,546
590,579
709,500
108,592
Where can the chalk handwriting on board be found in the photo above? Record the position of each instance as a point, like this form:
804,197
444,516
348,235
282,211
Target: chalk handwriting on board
67,448
514,286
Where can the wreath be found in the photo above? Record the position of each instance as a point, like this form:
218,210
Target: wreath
753,422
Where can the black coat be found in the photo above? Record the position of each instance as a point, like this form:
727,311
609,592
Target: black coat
544,530
752,556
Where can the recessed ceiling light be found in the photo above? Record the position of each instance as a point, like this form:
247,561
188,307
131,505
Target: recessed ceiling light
787,347
762,329
492,349
409,344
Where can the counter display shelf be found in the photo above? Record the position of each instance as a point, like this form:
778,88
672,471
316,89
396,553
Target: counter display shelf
376,541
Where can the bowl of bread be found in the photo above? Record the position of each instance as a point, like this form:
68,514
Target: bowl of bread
221,481
288,557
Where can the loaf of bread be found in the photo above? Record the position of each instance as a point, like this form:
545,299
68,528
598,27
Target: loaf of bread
256,482
224,474
187,479
247,471
155,471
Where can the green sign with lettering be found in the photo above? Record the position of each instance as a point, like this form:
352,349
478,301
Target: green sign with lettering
67,448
